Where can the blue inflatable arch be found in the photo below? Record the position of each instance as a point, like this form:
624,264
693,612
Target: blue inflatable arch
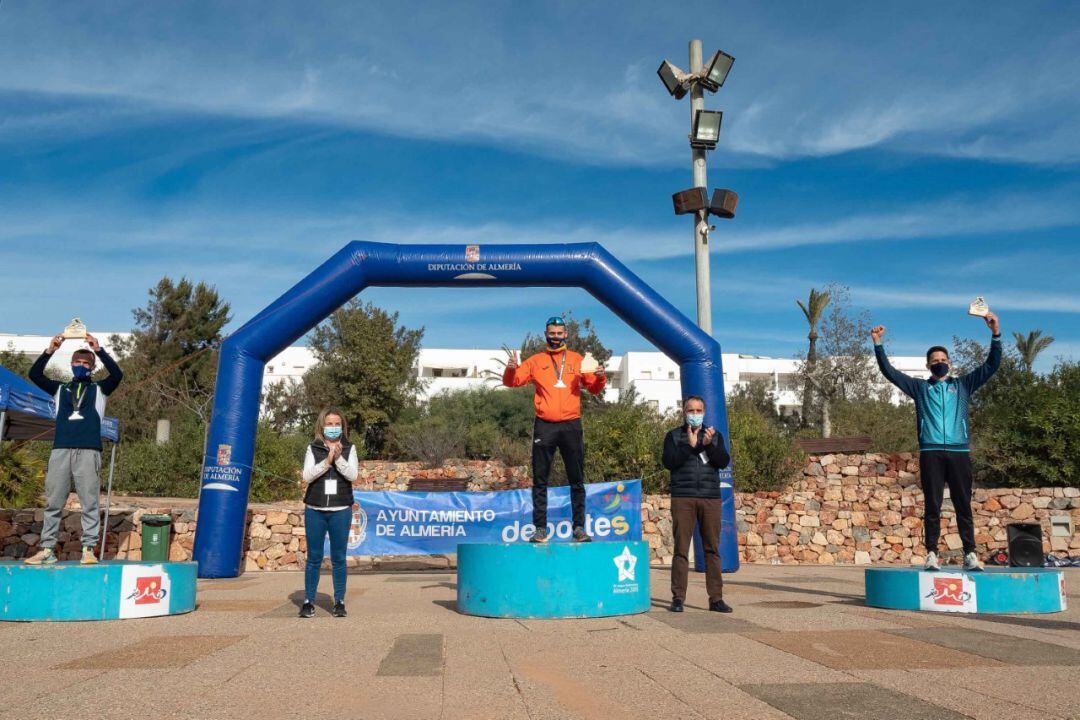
226,473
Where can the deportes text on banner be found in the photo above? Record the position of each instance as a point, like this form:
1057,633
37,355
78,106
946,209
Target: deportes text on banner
422,523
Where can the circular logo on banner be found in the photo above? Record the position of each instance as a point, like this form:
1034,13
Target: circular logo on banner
358,529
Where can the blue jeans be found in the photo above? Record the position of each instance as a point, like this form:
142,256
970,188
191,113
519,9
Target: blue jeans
317,524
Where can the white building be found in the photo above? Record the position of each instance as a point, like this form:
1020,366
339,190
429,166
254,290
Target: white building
653,374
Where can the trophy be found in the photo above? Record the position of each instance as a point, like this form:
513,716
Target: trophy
979,308
589,363
76,330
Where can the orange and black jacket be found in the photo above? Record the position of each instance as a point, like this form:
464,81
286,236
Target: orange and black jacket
555,404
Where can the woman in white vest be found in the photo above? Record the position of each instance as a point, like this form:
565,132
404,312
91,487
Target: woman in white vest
330,467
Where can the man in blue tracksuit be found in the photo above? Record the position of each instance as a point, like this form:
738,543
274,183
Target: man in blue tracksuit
941,407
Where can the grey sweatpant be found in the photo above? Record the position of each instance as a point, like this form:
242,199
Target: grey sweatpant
81,466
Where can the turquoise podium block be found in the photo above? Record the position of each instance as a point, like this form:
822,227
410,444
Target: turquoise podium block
110,590
994,590
556,580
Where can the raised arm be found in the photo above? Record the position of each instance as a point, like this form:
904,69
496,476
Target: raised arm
594,382
110,383
37,370
906,383
675,453
978,377
717,453
517,375
348,467
312,469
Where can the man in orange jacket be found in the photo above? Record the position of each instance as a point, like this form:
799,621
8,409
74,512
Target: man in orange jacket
556,374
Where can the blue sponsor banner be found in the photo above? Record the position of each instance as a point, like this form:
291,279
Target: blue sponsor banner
422,523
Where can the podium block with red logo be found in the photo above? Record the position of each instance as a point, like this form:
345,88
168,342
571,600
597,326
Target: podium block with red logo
110,590
991,591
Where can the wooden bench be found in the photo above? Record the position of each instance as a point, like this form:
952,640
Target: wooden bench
438,484
822,446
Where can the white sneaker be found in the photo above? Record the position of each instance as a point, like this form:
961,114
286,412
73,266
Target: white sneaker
972,563
88,556
931,563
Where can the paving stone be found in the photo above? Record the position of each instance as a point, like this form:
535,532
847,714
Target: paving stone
414,655
159,651
1006,648
868,649
830,701
703,622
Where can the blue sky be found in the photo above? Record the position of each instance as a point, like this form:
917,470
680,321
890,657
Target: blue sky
921,156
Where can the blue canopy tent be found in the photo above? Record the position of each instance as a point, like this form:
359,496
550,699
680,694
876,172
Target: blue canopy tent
27,413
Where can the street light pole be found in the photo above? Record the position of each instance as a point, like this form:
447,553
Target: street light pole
701,217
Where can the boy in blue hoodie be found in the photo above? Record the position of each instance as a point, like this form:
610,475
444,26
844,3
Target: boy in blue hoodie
76,454
941,410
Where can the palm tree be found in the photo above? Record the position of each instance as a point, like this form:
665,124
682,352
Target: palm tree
813,310
1029,347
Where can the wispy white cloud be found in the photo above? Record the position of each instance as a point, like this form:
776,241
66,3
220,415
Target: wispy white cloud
1013,299
184,230
802,86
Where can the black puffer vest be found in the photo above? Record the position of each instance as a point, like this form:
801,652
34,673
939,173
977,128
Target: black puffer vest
694,478
316,492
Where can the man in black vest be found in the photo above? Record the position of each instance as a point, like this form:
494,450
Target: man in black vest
694,455
76,453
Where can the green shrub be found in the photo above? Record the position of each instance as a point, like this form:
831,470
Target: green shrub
764,456
172,470
431,440
22,476
1026,429
279,460
625,440
891,427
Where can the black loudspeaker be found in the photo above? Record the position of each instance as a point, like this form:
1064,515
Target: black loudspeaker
1025,545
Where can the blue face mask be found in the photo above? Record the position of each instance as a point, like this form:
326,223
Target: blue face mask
81,372
555,343
331,433
695,419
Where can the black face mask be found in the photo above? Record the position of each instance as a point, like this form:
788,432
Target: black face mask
939,370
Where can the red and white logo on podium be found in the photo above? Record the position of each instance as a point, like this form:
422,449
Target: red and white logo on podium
144,591
947,592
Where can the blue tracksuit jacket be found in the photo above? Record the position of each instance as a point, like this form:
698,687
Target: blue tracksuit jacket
941,406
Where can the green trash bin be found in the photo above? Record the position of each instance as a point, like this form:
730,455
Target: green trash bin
155,537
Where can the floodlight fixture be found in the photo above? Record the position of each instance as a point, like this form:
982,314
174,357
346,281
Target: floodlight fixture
716,71
674,79
706,131
723,203
690,200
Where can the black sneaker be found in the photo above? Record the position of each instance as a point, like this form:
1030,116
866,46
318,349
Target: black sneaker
339,610
720,606
540,536
676,605
307,610
580,535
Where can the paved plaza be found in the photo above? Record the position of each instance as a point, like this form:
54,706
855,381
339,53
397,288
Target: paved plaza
800,644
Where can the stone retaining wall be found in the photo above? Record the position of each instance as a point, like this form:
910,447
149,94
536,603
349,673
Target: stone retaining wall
868,508
483,475
843,509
